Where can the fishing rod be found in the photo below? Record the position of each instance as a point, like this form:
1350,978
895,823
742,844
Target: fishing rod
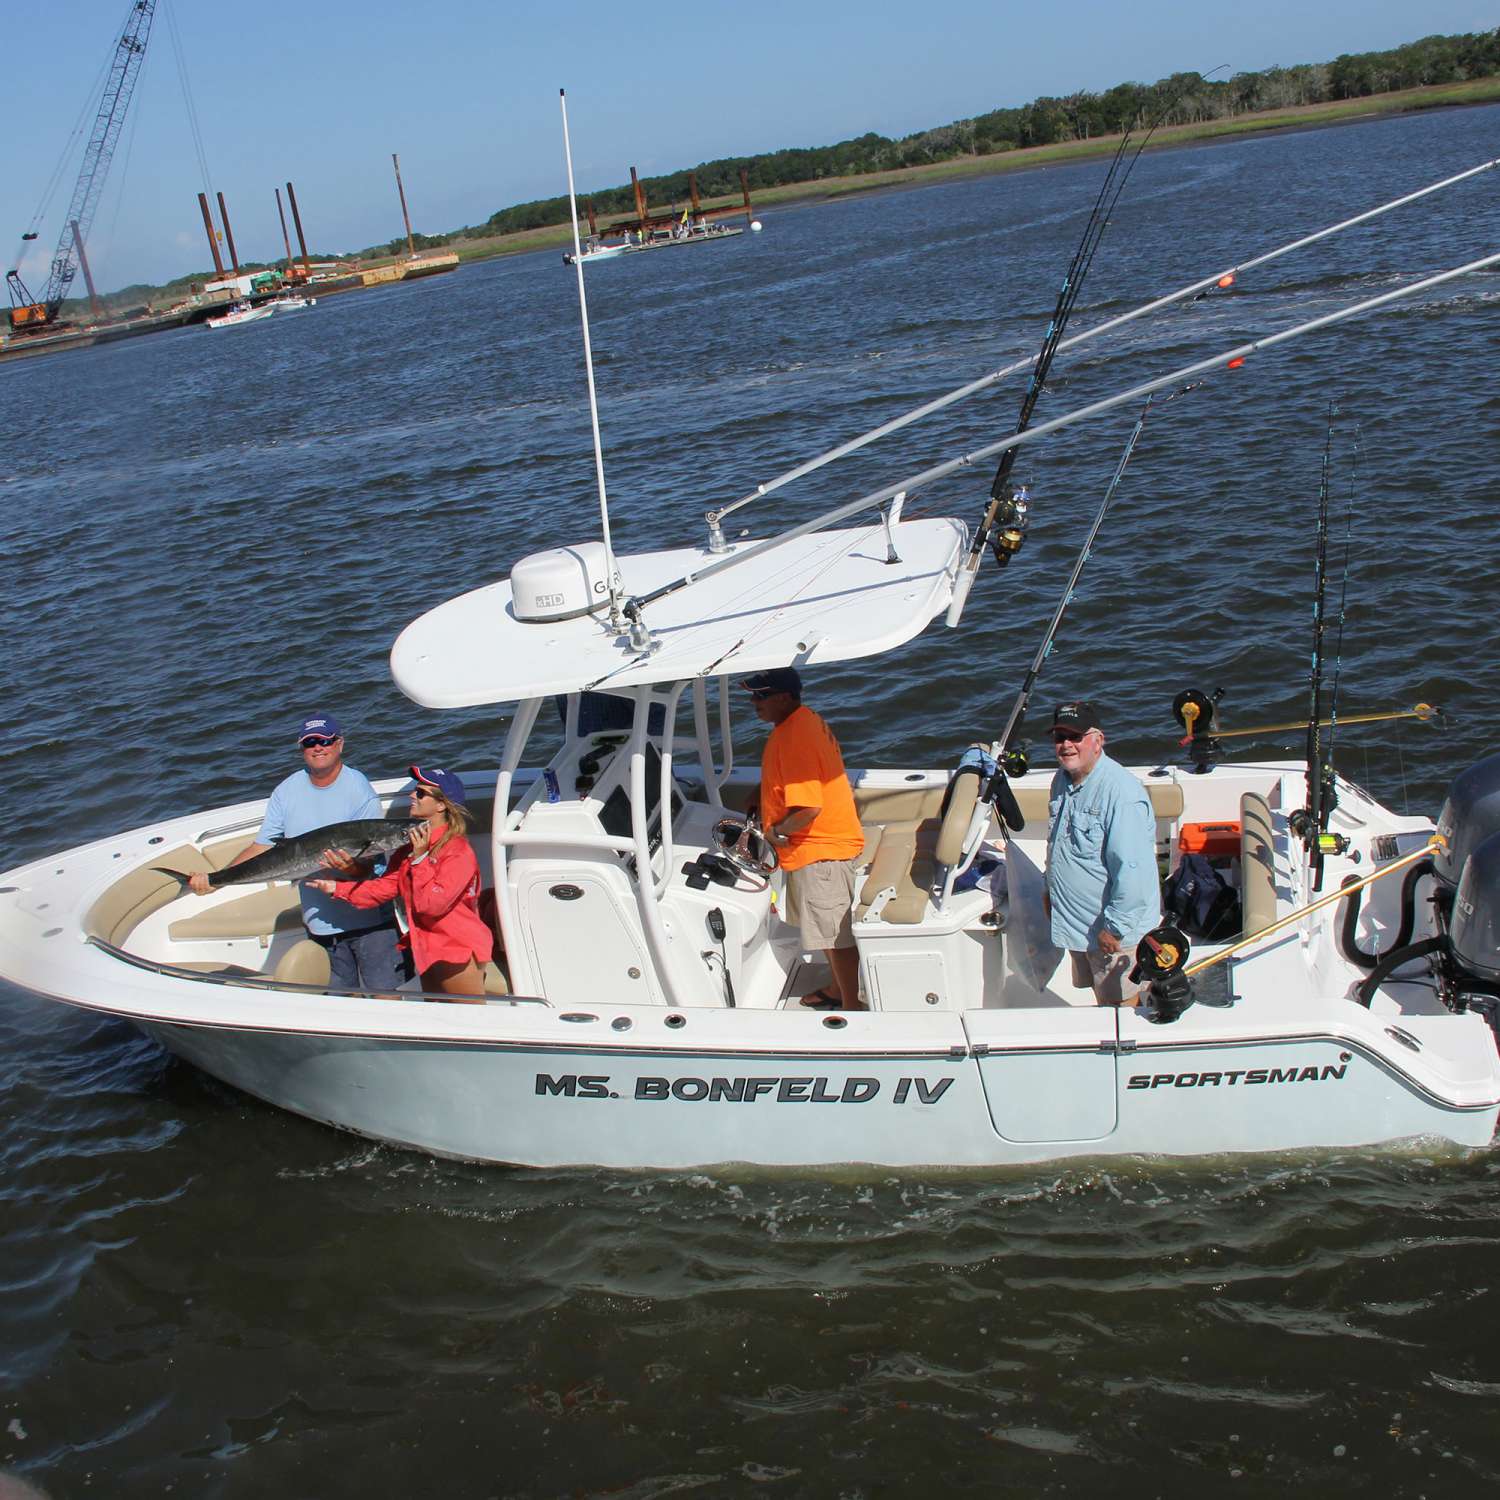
1219,281
1316,813
1338,650
1003,526
1229,359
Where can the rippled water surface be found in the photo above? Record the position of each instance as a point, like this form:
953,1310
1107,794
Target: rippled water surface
202,533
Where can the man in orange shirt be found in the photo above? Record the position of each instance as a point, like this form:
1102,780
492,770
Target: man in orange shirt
807,812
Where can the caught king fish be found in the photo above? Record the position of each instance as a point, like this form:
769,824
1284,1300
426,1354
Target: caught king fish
293,858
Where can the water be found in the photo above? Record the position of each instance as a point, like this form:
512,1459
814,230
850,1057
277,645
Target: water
203,534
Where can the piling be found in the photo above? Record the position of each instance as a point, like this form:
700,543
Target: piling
213,239
228,235
411,250
291,198
83,261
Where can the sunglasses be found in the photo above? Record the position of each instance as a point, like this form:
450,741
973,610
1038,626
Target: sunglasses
424,791
319,742
759,694
1068,736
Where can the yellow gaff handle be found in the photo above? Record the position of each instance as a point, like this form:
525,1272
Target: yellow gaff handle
1423,711
1437,841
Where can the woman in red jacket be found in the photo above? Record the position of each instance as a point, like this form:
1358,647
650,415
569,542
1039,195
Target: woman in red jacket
436,888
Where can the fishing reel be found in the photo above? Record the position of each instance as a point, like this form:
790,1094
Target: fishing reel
1160,957
1015,762
1198,714
1012,518
1307,828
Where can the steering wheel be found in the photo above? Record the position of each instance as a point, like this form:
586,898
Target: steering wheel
746,848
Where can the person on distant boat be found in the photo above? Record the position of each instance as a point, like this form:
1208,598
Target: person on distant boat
807,811
361,944
1102,892
436,887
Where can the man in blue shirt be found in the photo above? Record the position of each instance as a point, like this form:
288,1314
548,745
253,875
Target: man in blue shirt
361,944
1103,894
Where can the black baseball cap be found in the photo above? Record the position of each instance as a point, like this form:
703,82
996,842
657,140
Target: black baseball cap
776,680
1076,713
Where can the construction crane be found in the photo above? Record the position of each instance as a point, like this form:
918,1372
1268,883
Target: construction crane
30,314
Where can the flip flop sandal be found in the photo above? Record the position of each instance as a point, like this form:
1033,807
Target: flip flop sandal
821,1000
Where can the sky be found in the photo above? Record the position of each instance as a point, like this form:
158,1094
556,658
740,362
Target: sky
466,91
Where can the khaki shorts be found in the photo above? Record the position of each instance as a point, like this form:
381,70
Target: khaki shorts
819,899
1107,975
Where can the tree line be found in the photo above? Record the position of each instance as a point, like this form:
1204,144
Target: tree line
1192,100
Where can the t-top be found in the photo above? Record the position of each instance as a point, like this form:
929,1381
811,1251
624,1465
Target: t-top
801,766
1101,858
296,807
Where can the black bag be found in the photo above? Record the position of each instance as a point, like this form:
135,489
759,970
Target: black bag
1201,901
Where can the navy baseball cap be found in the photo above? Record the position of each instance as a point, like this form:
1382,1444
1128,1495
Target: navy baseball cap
320,726
776,680
447,782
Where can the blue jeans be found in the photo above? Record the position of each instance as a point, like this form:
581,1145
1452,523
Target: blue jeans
364,960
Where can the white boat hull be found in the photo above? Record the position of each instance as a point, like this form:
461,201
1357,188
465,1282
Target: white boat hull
864,1099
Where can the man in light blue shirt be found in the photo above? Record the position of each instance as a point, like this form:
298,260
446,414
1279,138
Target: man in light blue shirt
361,944
1103,893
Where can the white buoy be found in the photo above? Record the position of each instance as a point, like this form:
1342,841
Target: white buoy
755,225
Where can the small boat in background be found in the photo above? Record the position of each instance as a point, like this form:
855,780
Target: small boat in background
240,312
289,303
595,249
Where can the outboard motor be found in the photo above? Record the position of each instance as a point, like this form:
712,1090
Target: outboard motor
1468,954
1471,814
1469,817
1474,931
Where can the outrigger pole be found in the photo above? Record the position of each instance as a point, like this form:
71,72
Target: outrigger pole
1001,748
616,620
1226,360
1220,281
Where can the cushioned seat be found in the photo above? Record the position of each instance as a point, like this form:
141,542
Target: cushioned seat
277,908
305,962
134,897
1257,864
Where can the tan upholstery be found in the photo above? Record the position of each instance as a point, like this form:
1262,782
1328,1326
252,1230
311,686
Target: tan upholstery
1167,801
903,859
305,962
495,982
950,839
219,855
134,897
1257,863
897,804
277,908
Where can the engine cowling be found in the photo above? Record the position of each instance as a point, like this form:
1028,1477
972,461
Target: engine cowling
1474,929
1470,815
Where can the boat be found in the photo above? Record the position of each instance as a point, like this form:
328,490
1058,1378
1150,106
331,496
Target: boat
240,312
647,1013
595,248
290,302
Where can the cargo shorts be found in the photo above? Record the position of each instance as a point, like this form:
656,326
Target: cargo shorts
819,900
1107,974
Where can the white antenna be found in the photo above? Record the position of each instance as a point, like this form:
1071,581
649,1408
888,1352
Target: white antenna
616,620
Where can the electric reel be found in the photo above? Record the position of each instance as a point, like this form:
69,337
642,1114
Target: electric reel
1160,958
1197,713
